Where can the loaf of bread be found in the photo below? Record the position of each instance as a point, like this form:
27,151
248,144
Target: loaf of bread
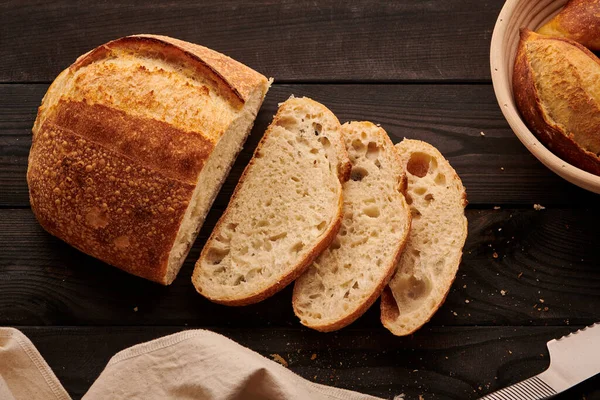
131,145
347,278
429,263
556,84
579,20
286,208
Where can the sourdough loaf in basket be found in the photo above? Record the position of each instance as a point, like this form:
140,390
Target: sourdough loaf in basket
131,145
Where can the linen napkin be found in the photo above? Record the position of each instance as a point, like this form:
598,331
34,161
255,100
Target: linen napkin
194,364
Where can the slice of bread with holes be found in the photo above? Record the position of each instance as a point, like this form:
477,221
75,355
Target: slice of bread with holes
347,278
286,208
430,261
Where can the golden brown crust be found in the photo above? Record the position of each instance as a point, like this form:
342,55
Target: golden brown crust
153,144
231,76
104,204
109,175
530,106
579,20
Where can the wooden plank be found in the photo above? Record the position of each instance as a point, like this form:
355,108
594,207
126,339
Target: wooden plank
496,169
546,273
438,363
290,40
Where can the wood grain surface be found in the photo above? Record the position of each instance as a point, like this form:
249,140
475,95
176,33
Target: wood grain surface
290,40
518,269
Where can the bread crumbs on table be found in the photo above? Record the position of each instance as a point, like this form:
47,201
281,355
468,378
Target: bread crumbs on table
496,207
520,275
495,255
538,207
276,357
313,357
135,309
503,292
482,134
467,301
541,300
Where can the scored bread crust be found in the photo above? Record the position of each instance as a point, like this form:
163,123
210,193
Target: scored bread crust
293,271
113,182
302,286
578,20
532,109
424,308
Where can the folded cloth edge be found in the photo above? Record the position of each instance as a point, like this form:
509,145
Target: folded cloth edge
173,339
37,360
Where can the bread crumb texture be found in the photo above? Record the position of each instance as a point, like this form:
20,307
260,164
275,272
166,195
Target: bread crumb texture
349,276
283,209
432,255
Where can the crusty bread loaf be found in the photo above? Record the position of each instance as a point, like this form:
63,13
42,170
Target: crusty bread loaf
579,20
347,278
286,208
131,145
429,263
557,91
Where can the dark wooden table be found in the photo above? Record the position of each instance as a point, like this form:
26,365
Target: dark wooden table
421,69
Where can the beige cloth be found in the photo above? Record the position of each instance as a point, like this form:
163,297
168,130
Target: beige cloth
23,372
194,364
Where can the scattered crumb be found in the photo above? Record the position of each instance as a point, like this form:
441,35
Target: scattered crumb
314,356
501,168
496,207
467,301
538,207
135,309
455,313
503,292
545,308
276,357
464,286
495,255
315,378
541,300
520,275
535,306
482,134
499,229
509,352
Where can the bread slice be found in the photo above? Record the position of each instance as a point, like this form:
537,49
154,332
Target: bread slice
285,210
131,145
347,278
432,255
